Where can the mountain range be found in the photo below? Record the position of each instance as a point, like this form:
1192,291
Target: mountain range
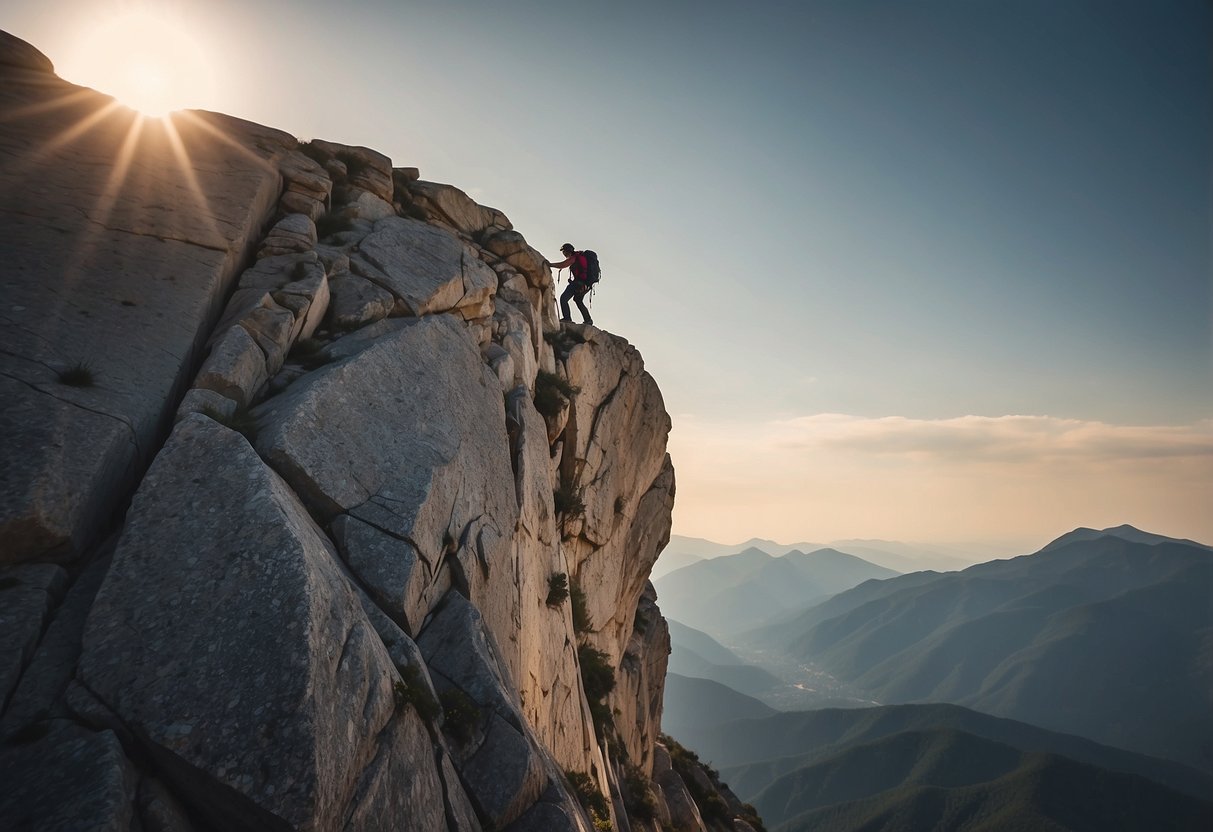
1080,679
891,554
930,766
1109,637
730,593
754,753
942,779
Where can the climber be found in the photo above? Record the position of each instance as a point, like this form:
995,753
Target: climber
579,284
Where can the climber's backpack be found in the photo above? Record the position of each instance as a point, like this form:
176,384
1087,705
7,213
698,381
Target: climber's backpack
592,272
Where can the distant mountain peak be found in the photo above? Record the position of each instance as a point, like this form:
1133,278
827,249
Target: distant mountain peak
1123,531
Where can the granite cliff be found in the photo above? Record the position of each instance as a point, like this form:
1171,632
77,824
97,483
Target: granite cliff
314,516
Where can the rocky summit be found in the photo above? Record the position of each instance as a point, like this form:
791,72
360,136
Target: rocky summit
313,514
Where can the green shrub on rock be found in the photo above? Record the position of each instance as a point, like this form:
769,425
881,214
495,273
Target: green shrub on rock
638,795
590,799
558,589
551,393
581,616
598,679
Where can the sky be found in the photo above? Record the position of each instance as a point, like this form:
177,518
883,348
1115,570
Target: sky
926,270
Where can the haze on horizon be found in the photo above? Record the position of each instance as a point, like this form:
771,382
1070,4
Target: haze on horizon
934,271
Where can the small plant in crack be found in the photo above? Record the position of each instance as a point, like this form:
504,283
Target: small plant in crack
462,714
581,615
79,374
638,795
411,691
598,680
558,589
551,393
567,501
590,798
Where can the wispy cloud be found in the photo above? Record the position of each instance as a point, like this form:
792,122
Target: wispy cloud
979,477
1004,439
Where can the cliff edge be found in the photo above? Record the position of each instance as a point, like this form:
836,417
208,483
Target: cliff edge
314,516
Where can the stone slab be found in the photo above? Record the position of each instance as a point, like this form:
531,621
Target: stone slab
281,721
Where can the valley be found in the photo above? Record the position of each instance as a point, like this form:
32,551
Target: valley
1085,665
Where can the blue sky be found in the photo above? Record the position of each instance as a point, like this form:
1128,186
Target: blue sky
924,218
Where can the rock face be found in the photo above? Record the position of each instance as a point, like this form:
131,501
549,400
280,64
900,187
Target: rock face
121,240
314,517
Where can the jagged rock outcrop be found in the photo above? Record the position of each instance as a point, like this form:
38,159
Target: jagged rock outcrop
315,517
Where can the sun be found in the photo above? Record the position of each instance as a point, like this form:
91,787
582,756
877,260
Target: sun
146,58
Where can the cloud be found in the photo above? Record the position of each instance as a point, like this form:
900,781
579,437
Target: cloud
1005,439
829,476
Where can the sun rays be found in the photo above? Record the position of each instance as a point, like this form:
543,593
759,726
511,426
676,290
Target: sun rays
114,195
148,56
182,155
146,176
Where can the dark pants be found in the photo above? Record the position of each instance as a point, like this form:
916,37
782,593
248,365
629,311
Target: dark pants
575,290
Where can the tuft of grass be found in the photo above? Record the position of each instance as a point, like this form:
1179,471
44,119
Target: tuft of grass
241,421
411,691
592,800
330,224
558,589
552,393
581,616
79,374
462,714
